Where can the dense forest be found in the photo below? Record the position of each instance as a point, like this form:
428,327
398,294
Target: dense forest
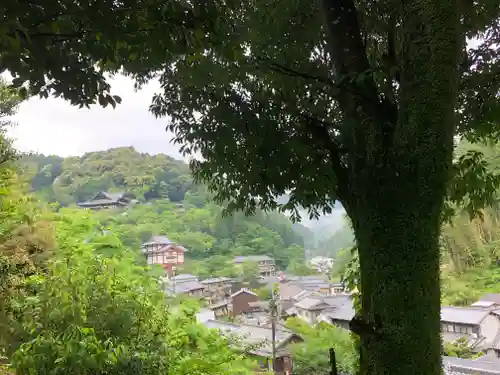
170,204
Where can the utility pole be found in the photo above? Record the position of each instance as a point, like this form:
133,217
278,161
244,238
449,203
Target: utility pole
272,305
333,362
173,280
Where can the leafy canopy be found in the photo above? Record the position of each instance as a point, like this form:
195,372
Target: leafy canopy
312,356
98,314
65,47
261,103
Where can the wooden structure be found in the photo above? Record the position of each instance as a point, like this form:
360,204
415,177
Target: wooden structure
240,301
266,264
103,200
160,250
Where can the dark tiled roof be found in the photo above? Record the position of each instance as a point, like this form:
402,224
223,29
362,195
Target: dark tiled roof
103,198
252,258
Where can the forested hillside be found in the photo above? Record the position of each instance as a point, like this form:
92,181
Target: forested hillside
171,204
471,248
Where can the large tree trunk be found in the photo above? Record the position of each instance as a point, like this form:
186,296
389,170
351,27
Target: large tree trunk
397,177
397,229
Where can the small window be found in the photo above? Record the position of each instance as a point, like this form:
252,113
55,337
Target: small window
450,328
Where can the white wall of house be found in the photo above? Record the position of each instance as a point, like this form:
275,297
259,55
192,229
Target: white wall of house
490,328
205,315
309,316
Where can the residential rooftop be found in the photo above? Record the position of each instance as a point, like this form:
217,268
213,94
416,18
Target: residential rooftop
492,297
463,315
311,304
242,290
253,335
184,277
185,287
252,258
215,280
158,240
479,366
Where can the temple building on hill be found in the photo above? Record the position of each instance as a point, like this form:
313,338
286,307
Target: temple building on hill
160,250
108,200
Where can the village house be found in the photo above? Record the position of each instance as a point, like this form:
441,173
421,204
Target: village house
481,327
189,288
308,309
221,308
161,251
340,312
266,264
240,301
217,283
258,314
318,283
257,340
103,200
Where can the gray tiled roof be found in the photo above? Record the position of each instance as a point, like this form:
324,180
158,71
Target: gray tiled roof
184,287
464,315
184,277
480,366
214,280
252,258
492,297
309,294
311,304
314,285
161,240
103,197
253,334
287,291
219,304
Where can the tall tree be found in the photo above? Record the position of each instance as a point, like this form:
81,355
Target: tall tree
353,101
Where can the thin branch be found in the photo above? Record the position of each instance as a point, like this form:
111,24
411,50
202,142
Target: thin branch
294,73
321,135
323,123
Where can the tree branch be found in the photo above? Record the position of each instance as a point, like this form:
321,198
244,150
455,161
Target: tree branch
349,56
320,134
294,73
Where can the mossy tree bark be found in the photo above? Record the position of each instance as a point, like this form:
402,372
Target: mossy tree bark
396,175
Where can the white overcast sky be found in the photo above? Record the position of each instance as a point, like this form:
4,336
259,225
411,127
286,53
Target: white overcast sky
53,126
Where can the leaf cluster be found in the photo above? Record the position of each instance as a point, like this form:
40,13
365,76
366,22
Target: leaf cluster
65,47
96,314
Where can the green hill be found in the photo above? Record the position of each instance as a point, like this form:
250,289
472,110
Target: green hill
171,204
